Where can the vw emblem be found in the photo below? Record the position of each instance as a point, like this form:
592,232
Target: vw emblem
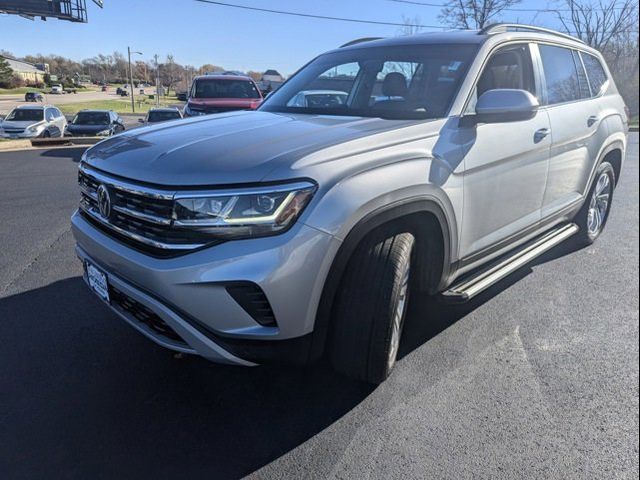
104,201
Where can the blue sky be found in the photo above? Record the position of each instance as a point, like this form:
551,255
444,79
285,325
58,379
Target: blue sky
197,33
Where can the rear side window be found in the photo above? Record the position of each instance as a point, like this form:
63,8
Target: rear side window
583,83
561,74
595,71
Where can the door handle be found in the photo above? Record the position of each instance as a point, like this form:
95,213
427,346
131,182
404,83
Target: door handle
592,120
541,134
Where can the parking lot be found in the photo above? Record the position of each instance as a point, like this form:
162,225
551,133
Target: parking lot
535,378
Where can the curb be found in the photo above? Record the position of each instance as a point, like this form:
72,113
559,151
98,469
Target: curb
11,145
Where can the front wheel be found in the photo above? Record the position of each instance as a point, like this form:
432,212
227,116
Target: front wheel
371,306
593,216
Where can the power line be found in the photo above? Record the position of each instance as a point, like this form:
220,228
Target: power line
340,19
530,10
321,17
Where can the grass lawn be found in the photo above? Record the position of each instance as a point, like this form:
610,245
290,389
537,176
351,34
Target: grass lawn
634,122
21,90
121,105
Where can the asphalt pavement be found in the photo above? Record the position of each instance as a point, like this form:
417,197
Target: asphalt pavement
535,378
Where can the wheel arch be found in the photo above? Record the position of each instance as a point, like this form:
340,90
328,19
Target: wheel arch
426,218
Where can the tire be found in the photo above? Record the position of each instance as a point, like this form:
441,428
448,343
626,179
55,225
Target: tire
371,306
46,134
593,216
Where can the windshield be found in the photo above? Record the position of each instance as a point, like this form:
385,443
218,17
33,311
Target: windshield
404,82
26,115
221,88
162,116
91,118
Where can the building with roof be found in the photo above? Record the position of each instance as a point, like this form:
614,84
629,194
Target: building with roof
29,72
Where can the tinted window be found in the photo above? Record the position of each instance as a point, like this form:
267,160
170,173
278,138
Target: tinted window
509,67
583,83
49,115
561,74
161,116
222,88
26,115
92,118
405,82
596,73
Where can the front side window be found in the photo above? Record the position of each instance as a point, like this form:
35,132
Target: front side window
222,88
509,67
595,72
560,73
26,115
400,82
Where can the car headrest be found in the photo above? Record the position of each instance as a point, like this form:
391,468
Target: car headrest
394,85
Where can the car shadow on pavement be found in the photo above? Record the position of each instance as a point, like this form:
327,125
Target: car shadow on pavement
441,315
72,153
84,396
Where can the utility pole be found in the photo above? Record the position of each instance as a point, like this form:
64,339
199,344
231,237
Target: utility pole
133,102
157,81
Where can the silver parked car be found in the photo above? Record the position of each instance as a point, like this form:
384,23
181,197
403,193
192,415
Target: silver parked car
302,230
30,121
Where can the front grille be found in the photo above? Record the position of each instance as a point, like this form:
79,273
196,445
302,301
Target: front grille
143,314
140,217
218,109
13,130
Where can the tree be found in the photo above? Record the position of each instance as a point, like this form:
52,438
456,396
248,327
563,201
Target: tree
473,14
612,28
599,25
170,73
6,74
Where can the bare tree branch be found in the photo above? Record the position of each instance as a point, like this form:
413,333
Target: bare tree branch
473,14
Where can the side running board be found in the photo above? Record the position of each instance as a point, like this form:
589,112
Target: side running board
472,286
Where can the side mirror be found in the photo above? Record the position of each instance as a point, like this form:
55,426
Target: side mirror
506,105
141,120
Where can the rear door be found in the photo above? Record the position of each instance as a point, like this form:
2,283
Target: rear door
505,163
576,128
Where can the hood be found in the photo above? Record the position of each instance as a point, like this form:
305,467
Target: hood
87,128
207,104
232,148
18,125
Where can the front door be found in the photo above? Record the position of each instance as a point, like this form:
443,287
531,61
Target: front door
505,163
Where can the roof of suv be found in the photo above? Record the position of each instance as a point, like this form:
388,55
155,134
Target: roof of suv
32,107
477,37
223,77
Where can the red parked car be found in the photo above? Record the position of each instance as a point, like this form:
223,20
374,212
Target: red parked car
222,93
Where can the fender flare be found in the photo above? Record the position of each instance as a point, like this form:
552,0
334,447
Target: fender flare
613,144
388,213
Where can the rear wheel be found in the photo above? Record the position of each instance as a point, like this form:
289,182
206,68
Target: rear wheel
371,306
593,216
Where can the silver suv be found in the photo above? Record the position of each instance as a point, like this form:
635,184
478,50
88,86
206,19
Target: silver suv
298,231
30,121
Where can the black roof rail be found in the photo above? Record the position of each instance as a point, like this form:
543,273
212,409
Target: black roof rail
515,27
360,40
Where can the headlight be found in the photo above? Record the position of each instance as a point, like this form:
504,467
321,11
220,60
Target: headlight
243,213
104,133
34,128
193,113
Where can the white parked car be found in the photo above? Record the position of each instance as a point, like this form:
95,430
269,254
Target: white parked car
57,90
30,121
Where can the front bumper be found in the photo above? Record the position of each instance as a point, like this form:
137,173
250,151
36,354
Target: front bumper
190,292
24,134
